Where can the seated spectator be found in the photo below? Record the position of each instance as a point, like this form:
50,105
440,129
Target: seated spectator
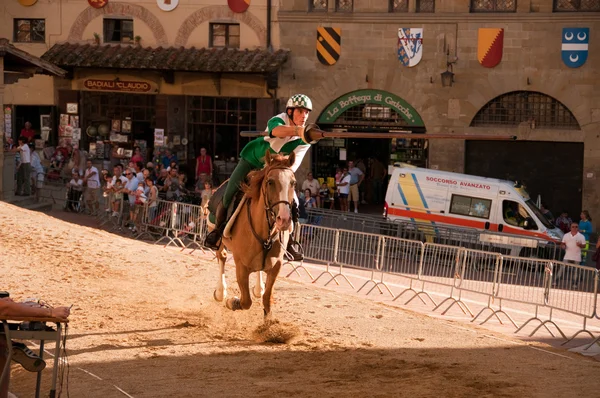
22,354
309,201
326,197
313,185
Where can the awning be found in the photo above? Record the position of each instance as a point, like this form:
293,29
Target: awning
209,60
16,60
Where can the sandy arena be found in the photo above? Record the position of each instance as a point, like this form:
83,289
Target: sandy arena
144,324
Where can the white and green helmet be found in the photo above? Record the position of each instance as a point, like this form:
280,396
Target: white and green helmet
299,101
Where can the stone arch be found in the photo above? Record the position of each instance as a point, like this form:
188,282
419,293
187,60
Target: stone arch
126,9
219,12
515,107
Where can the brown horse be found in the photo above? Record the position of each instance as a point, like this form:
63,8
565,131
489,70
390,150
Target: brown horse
261,232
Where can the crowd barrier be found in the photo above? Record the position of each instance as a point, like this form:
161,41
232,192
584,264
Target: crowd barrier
453,271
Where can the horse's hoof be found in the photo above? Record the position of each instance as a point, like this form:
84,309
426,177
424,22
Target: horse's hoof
234,304
218,297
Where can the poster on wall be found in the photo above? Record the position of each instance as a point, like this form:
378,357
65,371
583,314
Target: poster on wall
7,121
159,137
45,122
126,126
176,140
143,145
77,134
64,119
74,121
116,125
45,134
72,107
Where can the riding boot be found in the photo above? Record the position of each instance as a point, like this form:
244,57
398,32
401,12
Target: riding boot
213,239
294,249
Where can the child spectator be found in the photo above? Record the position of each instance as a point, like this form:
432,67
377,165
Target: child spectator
206,194
75,187
326,197
309,201
118,197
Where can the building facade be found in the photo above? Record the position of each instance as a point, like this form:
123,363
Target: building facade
198,72
497,67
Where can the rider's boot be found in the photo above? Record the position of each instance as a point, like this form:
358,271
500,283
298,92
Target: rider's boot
294,249
213,239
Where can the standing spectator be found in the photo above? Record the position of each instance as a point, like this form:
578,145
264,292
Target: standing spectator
356,179
344,189
75,188
203,165
547,213
91,179
24,168
115,157
563,222
9,144
169,158
313,185
586,229
309,200
130,189
137,155
377,174
152,199
572,242
206,194
28,132
36,168
138,166
172,184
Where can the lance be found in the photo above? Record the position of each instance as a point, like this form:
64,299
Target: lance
316,134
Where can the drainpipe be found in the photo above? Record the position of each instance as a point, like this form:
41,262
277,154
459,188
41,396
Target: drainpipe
269,47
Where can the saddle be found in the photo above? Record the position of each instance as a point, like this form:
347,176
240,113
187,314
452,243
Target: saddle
217,198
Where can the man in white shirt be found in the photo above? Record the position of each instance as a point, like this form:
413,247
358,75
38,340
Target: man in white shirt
92,181
24,169
313,185
572,242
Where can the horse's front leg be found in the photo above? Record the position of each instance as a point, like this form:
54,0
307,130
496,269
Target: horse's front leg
221,291
271,277
243,279
259,287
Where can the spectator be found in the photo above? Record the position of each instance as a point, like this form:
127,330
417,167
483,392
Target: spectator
563,222
36,168
75,188
572,242
24,168
28,132
359,164
130,188
117,197
309,200
377,175
586,229
161,180
313,185
344,189
152,198
138,166
137,155
206,194
356,179
325,196
547,213
203,165
91,180
22,354
9,144
172,185
169,158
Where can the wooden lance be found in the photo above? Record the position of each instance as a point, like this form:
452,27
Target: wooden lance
316,134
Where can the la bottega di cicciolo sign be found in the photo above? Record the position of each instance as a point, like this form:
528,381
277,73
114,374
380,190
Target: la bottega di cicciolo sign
112,85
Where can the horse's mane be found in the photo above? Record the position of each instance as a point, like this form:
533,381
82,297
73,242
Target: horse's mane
256,177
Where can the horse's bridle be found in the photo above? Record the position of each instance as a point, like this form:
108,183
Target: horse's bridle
270,216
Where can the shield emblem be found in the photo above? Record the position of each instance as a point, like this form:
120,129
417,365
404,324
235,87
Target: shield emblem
489,46
575,43
410,46
238,6
97,3
329,42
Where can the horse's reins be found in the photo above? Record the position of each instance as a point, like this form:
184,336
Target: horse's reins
267,244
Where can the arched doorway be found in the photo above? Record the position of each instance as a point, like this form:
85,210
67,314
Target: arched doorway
369,111
553,170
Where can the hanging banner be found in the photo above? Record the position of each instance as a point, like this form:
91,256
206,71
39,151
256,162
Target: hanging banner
329,45
489,46
410,46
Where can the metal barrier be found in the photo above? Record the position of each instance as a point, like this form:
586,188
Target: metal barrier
189,224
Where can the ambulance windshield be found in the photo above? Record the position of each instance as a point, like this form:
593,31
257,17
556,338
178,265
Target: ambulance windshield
534,209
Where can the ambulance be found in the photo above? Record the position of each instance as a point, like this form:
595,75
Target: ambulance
465,201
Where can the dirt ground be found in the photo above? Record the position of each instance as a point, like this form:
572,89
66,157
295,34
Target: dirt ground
144,324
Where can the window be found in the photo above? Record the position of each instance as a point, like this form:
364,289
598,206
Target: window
118,30
425,5
576,5
537,109
225,35
398,5
318,5
493,5
468,206
515,214
30,30
344,5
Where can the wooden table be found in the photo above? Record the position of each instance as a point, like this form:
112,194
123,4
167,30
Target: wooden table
42,336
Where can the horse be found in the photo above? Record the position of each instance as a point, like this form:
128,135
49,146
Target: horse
260,234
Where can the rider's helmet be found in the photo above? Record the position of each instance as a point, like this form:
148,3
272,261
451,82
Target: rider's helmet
299,101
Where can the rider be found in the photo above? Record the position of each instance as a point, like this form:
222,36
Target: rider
286,132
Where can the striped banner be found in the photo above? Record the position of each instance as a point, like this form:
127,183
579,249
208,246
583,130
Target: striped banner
329,42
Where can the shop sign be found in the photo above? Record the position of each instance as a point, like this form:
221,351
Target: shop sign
376,97
112,85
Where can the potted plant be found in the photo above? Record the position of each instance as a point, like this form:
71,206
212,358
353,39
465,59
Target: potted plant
138,40
96,38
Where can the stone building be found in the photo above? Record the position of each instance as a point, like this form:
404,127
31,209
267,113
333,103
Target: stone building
549,104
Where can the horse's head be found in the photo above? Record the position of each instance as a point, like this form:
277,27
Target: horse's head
278,188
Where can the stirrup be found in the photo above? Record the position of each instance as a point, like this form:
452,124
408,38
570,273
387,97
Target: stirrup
294,251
